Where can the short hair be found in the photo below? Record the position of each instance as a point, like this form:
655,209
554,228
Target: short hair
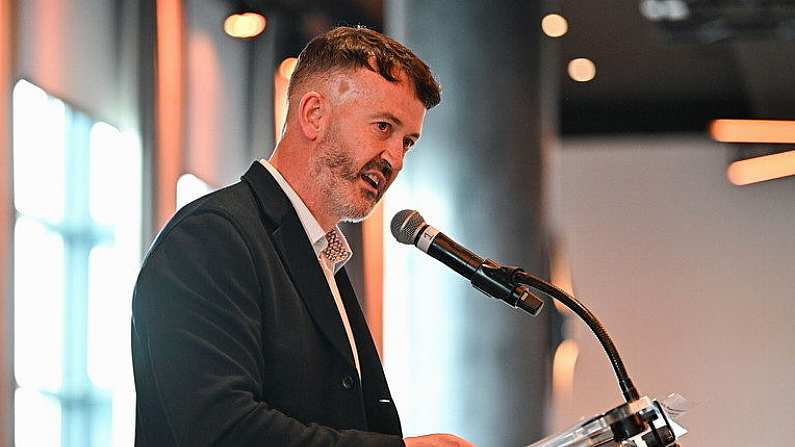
348,48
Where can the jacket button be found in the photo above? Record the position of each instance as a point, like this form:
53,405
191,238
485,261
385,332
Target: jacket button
347,382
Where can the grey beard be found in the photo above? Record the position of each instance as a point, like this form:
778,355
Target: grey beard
337,176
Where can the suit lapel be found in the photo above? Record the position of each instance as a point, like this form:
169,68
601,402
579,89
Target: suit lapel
361,333
306,273
298,257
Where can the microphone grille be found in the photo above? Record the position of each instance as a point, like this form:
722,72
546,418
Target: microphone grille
406,225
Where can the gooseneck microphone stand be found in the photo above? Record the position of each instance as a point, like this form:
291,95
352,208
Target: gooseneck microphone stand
628,389
638,422
638,417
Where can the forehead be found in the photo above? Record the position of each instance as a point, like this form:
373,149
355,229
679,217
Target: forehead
368,90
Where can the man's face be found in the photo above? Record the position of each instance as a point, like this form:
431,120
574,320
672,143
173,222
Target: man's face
373,122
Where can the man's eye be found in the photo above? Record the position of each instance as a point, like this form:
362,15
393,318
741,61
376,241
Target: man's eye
408,143
383,126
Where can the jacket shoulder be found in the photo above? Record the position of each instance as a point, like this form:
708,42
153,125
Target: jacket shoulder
235,203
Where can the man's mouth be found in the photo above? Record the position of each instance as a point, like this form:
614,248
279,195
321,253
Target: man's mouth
376,175
374,180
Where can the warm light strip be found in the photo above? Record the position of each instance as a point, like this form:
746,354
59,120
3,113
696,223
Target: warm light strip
759,169
373,260
281,80
7,40
753,131
563,365
560,274
168,108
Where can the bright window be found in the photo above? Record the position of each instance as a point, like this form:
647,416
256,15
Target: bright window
77,244
190,188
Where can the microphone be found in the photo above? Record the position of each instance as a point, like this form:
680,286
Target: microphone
491,278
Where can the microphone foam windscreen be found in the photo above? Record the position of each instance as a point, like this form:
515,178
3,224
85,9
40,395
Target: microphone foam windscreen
405,226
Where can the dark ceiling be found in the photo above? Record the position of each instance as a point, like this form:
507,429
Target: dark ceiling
676,75
725,58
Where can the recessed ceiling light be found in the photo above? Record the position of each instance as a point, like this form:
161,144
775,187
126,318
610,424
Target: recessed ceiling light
244,26
582,69
554,25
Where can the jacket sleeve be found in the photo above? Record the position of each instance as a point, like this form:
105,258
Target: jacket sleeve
197,347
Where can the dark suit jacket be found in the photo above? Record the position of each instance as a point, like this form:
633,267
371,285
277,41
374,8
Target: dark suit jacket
236,337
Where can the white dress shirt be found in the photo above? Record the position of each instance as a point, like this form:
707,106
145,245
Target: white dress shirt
317,237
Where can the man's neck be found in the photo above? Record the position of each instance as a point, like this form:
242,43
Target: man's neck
295,167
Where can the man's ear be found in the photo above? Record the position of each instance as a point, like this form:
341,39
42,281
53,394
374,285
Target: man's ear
312,114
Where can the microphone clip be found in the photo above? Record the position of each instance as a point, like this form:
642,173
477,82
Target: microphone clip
496,280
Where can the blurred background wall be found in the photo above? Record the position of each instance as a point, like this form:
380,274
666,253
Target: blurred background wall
578,146
691,275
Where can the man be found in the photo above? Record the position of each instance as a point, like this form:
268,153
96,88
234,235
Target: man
246,330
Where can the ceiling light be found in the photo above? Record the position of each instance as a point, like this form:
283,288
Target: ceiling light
554,25
582,69
244,26
759,169
657,10
753,131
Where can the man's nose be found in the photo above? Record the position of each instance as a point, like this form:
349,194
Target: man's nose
394,155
